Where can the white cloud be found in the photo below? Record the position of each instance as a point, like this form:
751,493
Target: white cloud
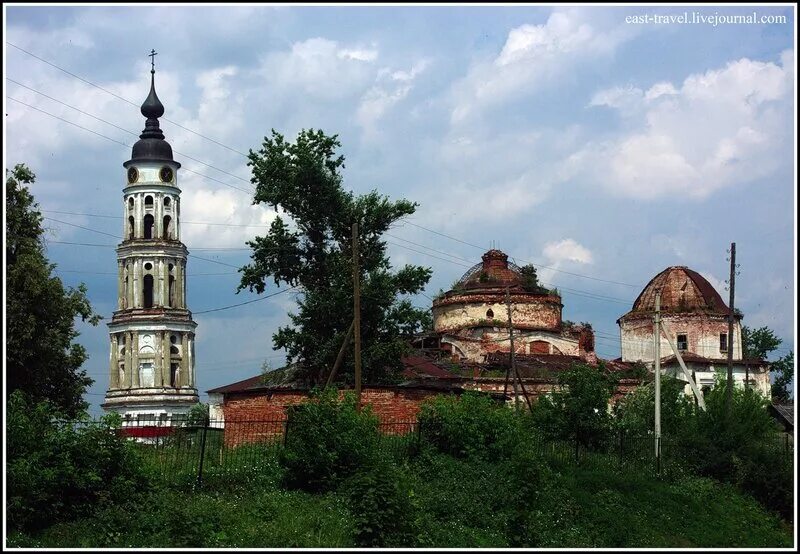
567,250
221,207
319,69
535,56
719,128
625,99
391,87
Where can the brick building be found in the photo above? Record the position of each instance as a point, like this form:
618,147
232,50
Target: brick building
471,320
695,317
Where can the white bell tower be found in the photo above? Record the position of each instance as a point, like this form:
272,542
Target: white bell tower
152,376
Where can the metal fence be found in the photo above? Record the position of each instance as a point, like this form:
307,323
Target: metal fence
185,450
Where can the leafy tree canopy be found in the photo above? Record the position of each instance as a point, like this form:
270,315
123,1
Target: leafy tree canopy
530,279
760,343
42,360
312,249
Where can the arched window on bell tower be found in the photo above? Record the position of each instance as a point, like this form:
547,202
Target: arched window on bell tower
130,228
148,226
171,290
167,220
148,291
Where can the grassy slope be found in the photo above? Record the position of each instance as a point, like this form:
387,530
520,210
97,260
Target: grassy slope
457,503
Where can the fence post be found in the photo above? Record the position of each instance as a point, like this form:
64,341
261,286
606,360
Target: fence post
202,452
786,445
658,456
286,428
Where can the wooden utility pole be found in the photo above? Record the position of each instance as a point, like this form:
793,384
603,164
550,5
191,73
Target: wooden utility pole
657,355
513,353
732,283
357,314
340,356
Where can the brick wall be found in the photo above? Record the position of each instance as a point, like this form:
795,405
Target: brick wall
256,416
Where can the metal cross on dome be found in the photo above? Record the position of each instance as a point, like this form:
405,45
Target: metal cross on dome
153,55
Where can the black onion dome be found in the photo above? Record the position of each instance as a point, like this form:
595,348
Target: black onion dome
151,145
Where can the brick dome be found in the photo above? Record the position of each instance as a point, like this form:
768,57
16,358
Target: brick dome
682,290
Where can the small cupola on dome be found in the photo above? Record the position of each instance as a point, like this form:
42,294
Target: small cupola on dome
151,145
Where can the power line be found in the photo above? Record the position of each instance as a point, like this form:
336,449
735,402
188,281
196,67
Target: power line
537,264
183,222
243,303
573,291
122,98
187,156
249,192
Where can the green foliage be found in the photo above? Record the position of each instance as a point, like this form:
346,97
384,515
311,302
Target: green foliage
635,413
759,343
530,279
578,410
327,441
314,251
472,425
197,415
382,507
58,469
783,370
41,358
247,518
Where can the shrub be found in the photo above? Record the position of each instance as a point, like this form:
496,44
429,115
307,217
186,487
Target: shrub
766,474
327,441
381,505
635,413
472,425
59,469
579,410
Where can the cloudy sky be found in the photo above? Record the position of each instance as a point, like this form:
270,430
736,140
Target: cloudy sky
600,150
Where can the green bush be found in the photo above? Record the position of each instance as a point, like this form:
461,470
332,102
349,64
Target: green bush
327,441
766,474
472,425
635,413
381,505
578,411
57,470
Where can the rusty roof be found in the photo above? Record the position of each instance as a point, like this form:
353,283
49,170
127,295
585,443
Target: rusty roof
692,357
682,290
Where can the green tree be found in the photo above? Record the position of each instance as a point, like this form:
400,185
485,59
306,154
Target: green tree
579,409
41,358
313,250
635,413
530,279
783,370
759,343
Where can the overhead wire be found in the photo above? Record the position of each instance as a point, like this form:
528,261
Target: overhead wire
123,98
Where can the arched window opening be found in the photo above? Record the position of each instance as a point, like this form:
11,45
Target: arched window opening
167,201
148,291
174,350
489,313
148,226
130,203
171,291
130,227
125,294
173,339
173,375
167,220
148,201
